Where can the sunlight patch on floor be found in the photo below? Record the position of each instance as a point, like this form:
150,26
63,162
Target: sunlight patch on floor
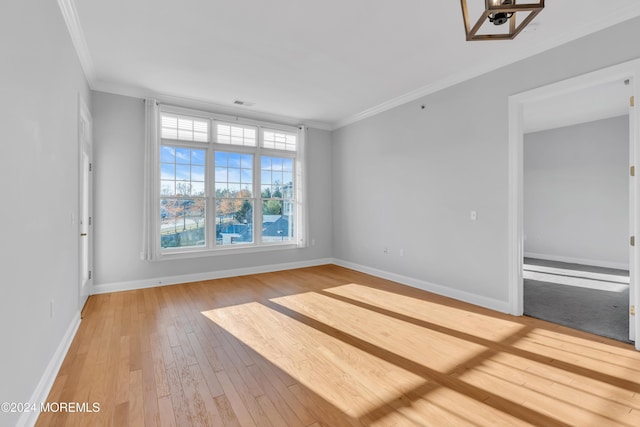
466,322
617,364
579,282
350,379
398,337
388,359
577,278
529,392
615,278
573,383
599,350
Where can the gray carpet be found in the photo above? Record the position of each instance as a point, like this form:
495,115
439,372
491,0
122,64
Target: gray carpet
562,293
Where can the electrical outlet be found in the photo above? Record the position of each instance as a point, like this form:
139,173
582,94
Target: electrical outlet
386,250
402,252
51,308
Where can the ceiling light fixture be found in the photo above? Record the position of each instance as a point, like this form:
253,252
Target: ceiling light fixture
490,26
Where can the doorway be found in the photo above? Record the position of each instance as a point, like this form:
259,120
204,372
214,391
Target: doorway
85,200
576,216
517,105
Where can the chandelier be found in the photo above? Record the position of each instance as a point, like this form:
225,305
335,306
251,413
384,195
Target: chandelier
499,19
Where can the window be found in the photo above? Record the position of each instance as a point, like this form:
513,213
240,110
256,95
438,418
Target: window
276,178
184,128
234,198
182,197
224,185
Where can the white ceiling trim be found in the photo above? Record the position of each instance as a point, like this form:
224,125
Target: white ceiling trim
70,15
608,20
71,18
202,105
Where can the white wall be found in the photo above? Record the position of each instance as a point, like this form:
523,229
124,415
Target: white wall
408,178
40,79
576,193
119,150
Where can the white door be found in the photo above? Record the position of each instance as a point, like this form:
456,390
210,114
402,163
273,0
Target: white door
85,203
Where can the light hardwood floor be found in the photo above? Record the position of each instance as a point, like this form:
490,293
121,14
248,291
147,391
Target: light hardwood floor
327,346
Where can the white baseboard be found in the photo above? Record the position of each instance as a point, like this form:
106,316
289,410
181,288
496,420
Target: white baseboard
502,306
491,303
40,394
198,277
581,261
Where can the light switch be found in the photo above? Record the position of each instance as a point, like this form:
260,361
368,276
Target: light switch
474,215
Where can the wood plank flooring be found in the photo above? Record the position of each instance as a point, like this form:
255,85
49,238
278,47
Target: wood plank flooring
327,346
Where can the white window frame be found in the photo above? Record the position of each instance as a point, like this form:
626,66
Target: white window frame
152,249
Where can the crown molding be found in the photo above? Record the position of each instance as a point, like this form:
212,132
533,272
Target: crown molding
200,104
71,18
616,17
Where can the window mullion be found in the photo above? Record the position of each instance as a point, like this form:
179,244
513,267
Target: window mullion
257,180
210,186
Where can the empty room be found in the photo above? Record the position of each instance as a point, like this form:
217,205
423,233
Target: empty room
284,213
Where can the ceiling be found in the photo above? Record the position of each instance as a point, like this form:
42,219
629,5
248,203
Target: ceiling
325,63
601,101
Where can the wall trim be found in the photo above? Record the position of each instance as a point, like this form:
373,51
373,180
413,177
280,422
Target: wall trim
203,105
199,277
608,20
40,394
490,303
71,18
581,261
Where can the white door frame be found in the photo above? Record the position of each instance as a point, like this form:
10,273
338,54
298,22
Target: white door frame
85,202
628,70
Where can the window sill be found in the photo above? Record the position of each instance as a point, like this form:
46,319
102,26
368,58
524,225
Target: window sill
202,253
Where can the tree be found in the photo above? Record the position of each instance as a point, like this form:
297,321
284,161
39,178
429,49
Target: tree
244,214
234,204
170,210
272,207
197,211
184,189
